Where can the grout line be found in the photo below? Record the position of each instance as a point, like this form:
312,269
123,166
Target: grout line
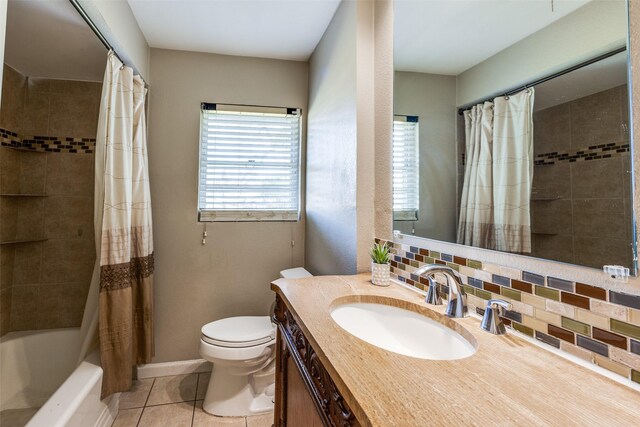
193,413
153,383
139,417
168,403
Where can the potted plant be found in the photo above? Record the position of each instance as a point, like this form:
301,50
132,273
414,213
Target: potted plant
380,267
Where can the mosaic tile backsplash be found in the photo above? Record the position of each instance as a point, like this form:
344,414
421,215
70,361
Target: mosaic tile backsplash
598,325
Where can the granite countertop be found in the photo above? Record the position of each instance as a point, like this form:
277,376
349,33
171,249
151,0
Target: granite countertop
508,381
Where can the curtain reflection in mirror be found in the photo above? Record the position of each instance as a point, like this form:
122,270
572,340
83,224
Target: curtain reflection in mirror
495,205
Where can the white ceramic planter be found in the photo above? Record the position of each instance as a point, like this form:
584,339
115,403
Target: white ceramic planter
380,274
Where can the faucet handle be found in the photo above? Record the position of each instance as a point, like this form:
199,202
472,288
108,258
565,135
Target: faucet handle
433,296
499,303
491,320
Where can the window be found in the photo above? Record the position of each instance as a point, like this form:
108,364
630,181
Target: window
405,168
249,163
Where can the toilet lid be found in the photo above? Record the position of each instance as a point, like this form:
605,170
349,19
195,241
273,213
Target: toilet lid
241,331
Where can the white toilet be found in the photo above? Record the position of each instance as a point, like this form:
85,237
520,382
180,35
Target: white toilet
242,350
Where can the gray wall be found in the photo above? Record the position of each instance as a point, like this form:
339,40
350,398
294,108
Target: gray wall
331,148
591,30
432,98
230,275
116,22
349,174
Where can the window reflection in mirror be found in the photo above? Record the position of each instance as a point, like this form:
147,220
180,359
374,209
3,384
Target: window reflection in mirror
544,171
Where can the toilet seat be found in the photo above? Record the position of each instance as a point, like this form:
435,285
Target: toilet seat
231,344
239,332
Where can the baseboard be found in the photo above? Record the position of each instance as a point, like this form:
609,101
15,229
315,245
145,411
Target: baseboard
152,370
109,412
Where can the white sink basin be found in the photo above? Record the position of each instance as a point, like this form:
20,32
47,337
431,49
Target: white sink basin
401,331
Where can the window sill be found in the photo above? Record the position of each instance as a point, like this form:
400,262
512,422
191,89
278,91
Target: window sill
248,216
405,216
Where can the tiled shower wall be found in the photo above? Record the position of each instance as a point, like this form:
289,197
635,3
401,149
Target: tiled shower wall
47,128
597,325
581,204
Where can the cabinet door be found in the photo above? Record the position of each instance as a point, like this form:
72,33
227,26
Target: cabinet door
306,396
301,411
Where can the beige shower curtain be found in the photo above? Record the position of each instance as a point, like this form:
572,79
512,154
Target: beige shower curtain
513,171
475,226
126,243
495,201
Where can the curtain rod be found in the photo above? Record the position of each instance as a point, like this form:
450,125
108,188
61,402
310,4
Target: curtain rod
513,91
96,31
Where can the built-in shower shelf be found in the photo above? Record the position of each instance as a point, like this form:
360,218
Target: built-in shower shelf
544,199
22,195
25,150
13,242
544,234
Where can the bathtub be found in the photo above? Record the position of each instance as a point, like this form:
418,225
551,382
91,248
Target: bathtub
39,369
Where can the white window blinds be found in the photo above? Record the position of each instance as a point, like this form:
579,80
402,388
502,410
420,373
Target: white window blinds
249,164
405,168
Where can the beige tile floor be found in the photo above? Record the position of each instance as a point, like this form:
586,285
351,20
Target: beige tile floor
175,401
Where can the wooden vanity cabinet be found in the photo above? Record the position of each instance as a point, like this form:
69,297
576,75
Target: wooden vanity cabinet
305,394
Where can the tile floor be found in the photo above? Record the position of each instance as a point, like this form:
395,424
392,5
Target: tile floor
175,401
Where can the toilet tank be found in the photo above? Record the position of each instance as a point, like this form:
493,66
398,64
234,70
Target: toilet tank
295,273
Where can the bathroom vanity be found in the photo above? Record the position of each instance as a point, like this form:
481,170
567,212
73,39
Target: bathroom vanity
326,376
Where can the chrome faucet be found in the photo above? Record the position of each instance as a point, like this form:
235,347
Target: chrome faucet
457,301
491,321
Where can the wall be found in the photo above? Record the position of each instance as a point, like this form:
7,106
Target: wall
383,117
581,197
365,134
432,98
331,148
230,275
116,22
594,29
50,126
348,174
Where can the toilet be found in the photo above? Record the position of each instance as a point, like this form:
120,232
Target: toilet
242,350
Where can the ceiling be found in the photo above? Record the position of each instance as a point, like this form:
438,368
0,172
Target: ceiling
599,76
280,29
450,36
50,39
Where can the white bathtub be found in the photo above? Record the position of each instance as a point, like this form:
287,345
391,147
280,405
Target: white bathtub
39,369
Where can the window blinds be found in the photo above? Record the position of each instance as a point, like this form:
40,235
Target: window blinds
249,164
405,168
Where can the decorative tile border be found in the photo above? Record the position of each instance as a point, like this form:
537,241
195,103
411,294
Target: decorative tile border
595,152
53,144
597,325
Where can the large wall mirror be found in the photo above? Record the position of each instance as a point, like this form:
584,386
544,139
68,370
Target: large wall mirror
511,127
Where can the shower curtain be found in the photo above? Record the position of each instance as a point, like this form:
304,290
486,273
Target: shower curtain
475,226
513,171
495,202
123,229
